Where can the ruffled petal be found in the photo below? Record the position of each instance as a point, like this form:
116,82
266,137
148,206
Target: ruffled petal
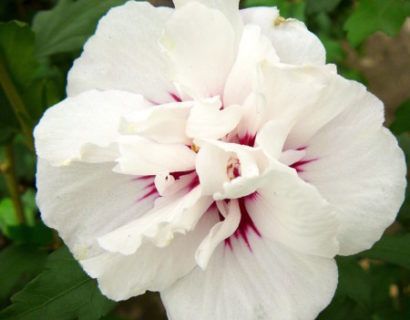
290,211
268,282
245,77
177,214
291,91
145,157
121,277
165,123
84,127
228,7
358,167
293,42
337,96
84,201
200,43
124,54
219,232
208,120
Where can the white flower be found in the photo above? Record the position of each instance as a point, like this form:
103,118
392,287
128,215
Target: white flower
211,154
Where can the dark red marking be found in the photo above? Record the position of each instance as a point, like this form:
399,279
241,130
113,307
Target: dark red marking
151,190
247,140
245,225
179,174
143,178
236,172
194,183
298,165
175,97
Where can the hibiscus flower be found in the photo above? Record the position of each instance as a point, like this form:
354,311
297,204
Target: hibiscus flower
212,155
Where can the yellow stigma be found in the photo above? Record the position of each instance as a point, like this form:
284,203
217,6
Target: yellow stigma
195,148
278,21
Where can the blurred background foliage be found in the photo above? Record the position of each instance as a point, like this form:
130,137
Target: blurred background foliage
369,40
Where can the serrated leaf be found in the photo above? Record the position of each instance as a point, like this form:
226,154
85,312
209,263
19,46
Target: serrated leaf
401,122
393,249
68,25
376,15
18,265
62,291
294,9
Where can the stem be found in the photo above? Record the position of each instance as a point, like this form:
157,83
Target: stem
8,168
17,103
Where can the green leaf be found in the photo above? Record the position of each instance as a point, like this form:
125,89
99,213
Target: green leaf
38,234
402,120
22,79
314,6
18,265
376,15
16,54
7,216
354,282
288,9
393,249
68,25
334,50
352,74
404,213
62,291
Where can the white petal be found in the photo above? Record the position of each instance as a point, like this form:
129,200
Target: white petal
150,268
290,211
164,123
293,42
255,111
271,282
228,7
208,121
271,138
124,54
245,76
219,232
179,214
84,127
201,45
338,95
360,170
84,201
291,91
144,157
211,159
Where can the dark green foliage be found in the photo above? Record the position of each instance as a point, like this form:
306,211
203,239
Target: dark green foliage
376,15
402,121
67,26
62,291
18,264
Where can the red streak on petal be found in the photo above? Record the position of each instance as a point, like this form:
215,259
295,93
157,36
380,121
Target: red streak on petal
299,164
152,190
175,97
179,174
143,178
248,140
246,224
194,183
